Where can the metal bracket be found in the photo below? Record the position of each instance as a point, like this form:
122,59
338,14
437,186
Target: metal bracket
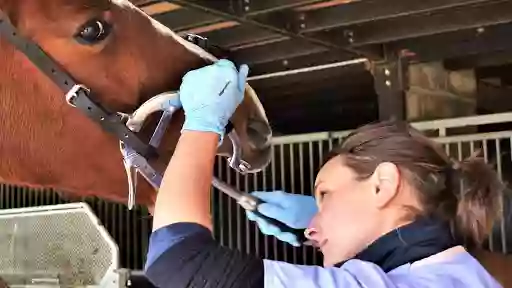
391,83
246,6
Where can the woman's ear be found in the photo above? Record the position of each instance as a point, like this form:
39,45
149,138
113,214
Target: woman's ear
386,179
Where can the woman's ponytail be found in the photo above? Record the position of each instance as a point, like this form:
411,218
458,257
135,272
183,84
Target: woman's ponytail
479,198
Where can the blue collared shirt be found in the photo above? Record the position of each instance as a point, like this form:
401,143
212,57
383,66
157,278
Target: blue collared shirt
186,255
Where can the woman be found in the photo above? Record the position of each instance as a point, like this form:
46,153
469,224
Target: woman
385,197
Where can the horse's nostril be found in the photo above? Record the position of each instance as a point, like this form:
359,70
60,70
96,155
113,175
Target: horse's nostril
259,134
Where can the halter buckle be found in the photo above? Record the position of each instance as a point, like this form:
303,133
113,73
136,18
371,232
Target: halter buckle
72,94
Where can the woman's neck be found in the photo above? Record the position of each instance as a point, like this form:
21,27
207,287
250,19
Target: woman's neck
419,239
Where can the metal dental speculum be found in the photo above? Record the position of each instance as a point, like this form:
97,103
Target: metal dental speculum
135,164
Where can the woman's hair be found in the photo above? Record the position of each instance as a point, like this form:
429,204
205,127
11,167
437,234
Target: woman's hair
467,192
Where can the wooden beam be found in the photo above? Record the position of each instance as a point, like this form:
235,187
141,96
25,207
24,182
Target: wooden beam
159,8
212,27
139,2
323,5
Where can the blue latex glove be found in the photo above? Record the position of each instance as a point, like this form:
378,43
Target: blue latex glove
210,96
294,210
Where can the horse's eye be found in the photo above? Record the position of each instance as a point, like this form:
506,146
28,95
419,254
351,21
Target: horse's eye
93,32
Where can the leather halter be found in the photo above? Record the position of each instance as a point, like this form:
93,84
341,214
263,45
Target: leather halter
135,152
77,95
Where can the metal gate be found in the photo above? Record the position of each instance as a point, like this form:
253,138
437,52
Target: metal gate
295,161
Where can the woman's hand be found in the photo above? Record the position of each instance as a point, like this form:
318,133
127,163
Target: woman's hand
294,210
210,96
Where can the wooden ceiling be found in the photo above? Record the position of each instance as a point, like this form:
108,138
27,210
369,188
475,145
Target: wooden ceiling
280,36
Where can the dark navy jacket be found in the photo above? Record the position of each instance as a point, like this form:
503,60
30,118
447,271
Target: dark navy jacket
186,255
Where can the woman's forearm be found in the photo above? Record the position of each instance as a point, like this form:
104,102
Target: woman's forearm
184,195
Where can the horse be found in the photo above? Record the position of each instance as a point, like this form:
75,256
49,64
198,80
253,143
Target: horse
125,57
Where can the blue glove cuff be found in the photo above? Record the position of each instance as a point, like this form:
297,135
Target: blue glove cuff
191,125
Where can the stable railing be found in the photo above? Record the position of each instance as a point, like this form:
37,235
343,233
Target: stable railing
295,161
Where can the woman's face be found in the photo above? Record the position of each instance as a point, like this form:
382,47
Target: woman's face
350,210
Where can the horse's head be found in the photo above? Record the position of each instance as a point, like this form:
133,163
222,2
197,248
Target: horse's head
122,55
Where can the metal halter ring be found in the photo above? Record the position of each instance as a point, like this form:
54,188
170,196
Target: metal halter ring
73,93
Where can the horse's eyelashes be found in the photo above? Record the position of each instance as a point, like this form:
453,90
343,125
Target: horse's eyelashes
93,32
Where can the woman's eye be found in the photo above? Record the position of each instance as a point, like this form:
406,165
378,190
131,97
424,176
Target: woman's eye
322,194
93,31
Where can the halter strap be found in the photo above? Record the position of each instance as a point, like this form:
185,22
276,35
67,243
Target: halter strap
77,95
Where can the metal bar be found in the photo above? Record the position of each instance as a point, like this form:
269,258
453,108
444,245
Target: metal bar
320,159
265,237
309,69
474,137
459,158
230,211
486,158
122,225
216,8
247,228
500,175
424,125
3,195
283,187
130,237
302,188
256,232
137,222
389,30
298,62
238,215
292,186
273,173
11,193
